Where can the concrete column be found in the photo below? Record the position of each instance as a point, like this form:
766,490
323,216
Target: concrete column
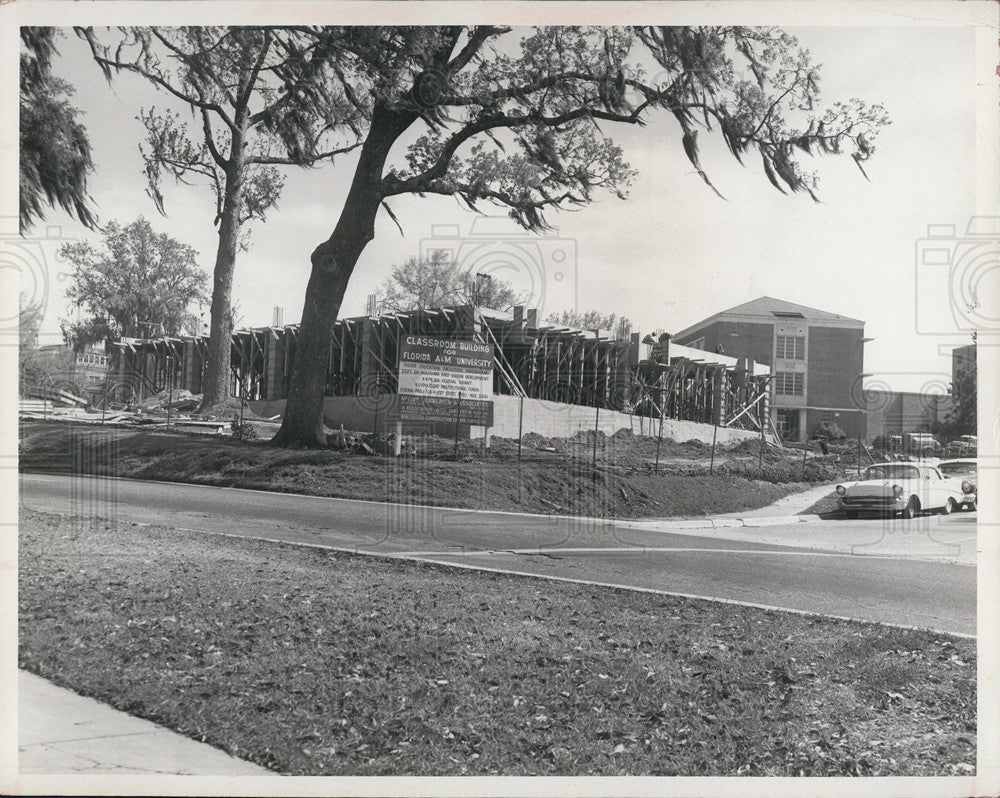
275,369
189,366
718,378
369,365
197,366
633,349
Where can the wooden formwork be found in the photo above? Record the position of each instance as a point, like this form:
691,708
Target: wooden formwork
538,360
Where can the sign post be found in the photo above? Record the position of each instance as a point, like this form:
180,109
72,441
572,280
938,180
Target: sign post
444,379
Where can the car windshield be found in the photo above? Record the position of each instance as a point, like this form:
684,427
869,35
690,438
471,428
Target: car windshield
892,472
957,469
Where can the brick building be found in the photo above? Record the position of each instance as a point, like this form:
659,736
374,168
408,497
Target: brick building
962,356
898,412
816,358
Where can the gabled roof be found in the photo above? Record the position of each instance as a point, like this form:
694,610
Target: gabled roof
769,309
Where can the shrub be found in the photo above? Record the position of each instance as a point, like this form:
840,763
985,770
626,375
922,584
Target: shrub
829,430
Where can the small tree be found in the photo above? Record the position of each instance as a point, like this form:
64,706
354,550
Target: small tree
829,431
436,281
593,320
257,104
138,284
961,418
55,151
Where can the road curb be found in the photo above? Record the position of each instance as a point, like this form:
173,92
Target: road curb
778,520
723,522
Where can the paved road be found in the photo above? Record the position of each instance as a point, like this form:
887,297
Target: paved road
920,575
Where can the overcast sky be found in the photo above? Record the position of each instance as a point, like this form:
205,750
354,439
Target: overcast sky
671,254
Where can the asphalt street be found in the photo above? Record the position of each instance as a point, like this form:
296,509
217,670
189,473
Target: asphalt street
918,573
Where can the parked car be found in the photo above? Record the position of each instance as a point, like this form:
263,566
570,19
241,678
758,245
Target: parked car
921,443
964,446
904,488
963,470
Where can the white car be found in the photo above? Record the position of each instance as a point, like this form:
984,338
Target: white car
905,488
964,471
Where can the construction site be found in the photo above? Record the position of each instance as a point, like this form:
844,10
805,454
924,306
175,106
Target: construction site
548,379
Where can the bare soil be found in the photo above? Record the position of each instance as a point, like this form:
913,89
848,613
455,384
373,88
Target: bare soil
552,476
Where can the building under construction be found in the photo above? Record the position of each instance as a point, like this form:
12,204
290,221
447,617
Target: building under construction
545,376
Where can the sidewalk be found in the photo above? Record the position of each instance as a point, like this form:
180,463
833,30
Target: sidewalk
61,732
788,506
779,524
781,513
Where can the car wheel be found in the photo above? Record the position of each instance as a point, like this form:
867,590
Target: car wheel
911,509
949,507
971,506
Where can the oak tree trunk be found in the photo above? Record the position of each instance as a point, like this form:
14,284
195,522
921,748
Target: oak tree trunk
333,262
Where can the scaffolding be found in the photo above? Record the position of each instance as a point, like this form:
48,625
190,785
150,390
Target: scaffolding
533,359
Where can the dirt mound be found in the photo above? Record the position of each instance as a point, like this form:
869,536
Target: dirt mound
782,472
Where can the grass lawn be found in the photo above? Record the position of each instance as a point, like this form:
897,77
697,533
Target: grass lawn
623,485
311,662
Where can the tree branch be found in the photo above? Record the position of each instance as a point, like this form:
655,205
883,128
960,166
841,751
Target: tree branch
306,161
244,95
107,64
479,37
210,140
391,185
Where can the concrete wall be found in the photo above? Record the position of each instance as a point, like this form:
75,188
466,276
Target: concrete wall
549,419
553,419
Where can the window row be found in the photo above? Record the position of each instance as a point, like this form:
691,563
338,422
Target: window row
788,383
790,347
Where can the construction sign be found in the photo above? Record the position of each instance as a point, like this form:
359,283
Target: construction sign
443,379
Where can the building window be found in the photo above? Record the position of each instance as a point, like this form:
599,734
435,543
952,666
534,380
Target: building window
788,383
791,347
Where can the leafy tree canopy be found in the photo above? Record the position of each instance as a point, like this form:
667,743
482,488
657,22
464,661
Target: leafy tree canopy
55,154
436,281
139,283
961,419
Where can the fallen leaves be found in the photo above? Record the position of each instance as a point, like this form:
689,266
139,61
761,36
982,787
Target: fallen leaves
356,666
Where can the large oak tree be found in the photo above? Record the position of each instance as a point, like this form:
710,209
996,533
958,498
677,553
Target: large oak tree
520,121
